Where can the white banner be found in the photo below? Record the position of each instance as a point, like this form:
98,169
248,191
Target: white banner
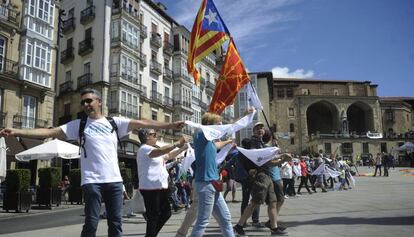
213,132
296,170
332,173
188,160
374,135
320,170
223,153
260,156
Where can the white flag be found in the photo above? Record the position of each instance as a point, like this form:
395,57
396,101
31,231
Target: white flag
223,153
188,160
320,170
260,156
212,132
331,172
252,98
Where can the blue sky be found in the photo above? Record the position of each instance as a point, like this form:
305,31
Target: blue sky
363,40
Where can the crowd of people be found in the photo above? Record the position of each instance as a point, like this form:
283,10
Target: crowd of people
165,188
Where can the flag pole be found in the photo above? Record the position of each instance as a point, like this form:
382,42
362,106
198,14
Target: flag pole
265,117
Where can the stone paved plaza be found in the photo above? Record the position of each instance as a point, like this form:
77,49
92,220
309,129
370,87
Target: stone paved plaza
378,206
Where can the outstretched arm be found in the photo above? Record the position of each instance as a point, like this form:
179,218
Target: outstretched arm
168,148
153,124
220,144
34,133
281,159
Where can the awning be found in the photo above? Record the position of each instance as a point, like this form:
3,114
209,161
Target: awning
17,145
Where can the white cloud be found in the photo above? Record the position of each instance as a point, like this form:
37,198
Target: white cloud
248,21
284,72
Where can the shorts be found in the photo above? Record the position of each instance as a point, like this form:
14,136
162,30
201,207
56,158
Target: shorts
231,185
278,185
262,189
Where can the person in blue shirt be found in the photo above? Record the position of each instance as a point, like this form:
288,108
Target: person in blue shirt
206,175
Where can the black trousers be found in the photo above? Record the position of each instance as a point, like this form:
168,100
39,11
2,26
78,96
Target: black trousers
289,187
246,191
158,210
303,181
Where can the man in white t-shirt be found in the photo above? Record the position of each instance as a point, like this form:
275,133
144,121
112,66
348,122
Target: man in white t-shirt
101,177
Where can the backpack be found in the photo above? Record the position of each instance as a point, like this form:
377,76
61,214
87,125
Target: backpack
82,135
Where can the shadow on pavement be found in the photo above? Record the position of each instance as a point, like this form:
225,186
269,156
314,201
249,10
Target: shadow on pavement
401,220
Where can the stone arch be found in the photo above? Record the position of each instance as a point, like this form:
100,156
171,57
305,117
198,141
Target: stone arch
361,117
322,117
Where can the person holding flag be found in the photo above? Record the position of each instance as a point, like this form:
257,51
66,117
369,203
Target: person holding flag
207,186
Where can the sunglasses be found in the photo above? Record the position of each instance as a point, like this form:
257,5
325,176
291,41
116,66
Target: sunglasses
88,101
152,134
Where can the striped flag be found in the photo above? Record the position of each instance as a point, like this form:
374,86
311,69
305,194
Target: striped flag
209,33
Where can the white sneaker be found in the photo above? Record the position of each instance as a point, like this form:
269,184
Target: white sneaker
286,197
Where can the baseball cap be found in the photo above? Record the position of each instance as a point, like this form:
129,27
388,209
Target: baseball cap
258,124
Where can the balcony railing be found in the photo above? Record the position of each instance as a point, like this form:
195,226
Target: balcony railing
84,80
155,40
210,85
168,101
85,47
143,59
130,78
87,15
68,25
129,114
168,73
3,116
67,55
66,87
155,67
156,97
196,100
125,11
143,31
183,76
182,103
203,106
8,67
133,46
9,14
20,121
168,48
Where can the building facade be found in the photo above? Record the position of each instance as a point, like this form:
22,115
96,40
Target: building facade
346,117
136,55
28,45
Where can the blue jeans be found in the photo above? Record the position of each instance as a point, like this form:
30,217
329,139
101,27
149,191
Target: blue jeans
111,194
210,201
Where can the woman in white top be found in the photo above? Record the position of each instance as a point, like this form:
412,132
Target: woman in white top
153,178
287,177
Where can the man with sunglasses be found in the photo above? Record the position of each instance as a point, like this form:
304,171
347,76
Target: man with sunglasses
101,177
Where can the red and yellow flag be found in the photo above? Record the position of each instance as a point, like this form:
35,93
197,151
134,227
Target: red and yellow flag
209,33
233,76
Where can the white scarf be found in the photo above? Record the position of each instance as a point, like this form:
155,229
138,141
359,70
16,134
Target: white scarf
260,156
213,132
320,170
223,153
331,172
188,159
